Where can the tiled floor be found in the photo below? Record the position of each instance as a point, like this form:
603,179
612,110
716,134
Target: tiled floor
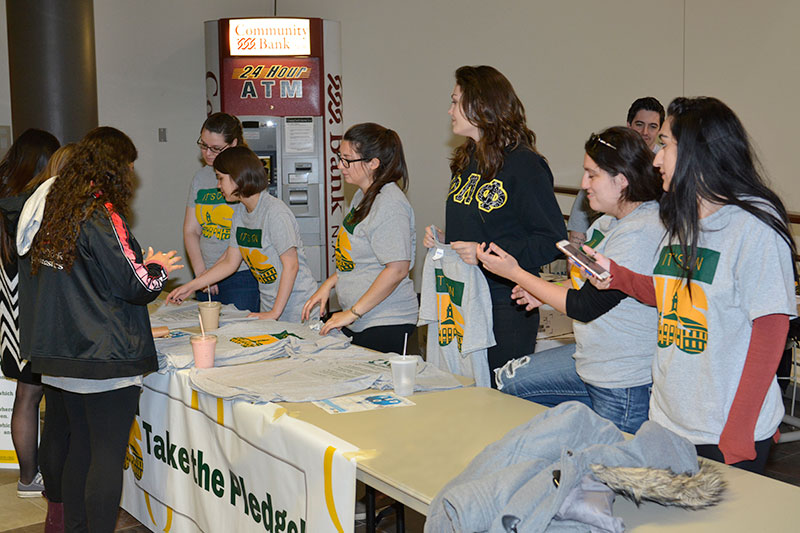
19,515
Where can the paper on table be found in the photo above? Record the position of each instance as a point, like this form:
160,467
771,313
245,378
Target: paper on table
366,401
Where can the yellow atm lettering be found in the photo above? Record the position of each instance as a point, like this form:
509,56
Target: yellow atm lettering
682,317
263,271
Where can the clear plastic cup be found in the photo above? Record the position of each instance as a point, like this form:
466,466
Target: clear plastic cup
209,314
404,374
203,348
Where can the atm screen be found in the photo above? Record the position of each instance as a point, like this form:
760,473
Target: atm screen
269,167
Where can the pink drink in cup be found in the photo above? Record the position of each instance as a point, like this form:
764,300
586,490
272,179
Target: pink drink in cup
203,348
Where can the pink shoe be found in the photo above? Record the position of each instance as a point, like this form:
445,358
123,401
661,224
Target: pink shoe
54,523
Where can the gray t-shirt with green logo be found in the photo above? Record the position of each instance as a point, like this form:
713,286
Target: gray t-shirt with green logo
615,350
743,272
362,250
457,307
213,214
262,236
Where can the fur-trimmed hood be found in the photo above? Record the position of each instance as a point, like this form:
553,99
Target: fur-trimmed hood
690,491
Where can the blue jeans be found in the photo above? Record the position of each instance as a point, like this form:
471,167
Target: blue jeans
240,289
550,378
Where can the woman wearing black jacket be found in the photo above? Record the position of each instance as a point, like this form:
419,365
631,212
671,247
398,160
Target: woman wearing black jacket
86,328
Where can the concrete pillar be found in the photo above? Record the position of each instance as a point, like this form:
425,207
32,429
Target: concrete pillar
52,67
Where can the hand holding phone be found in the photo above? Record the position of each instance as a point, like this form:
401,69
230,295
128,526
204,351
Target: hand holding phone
582,260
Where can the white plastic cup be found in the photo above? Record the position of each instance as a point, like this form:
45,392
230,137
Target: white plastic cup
404,374
203,348
209,314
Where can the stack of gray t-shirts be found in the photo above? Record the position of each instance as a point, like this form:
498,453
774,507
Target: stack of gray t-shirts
316,376
247,342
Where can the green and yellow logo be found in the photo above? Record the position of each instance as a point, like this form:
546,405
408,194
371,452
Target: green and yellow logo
449,294
263,271
133,455
263,340
341,253
682,316
213,214
344,261
575,273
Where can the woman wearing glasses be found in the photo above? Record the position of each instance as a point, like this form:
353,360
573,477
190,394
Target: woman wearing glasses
265,238
501,191
207,222
723,285
608,367
375,247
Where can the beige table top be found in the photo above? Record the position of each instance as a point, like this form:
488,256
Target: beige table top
418,449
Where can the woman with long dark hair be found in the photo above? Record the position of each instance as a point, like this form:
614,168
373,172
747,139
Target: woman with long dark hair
501,191
86,328
375,246
723,284
26,158
207,221
608,368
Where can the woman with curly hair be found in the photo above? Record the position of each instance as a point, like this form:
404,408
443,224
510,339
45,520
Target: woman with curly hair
86,328
501,191
18,169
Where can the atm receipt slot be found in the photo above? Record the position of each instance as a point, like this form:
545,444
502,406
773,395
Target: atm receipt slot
298,197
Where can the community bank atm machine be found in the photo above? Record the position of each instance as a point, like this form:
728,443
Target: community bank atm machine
282,78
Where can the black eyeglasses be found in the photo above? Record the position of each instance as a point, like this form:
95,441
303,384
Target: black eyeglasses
347,162
213,149
596,138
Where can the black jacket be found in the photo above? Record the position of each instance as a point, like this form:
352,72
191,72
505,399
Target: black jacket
517,210
92,321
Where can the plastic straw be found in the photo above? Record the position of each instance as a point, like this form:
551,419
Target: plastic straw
208,290
405,344
202,330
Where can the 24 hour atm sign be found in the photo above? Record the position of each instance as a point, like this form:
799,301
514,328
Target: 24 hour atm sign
278,86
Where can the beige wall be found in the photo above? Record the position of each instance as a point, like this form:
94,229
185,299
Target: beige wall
576,64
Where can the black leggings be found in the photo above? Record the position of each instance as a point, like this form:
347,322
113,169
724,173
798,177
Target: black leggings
382,338
712,451
99,426
55,443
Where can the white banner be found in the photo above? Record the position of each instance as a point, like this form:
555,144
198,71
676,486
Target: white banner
8,456
197,463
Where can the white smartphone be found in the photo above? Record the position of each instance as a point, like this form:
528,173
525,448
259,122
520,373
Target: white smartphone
580,257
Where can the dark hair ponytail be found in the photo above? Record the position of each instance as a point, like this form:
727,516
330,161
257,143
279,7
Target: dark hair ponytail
373,141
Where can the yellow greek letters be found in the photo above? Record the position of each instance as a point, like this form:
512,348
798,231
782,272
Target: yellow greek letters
467,192
491,196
